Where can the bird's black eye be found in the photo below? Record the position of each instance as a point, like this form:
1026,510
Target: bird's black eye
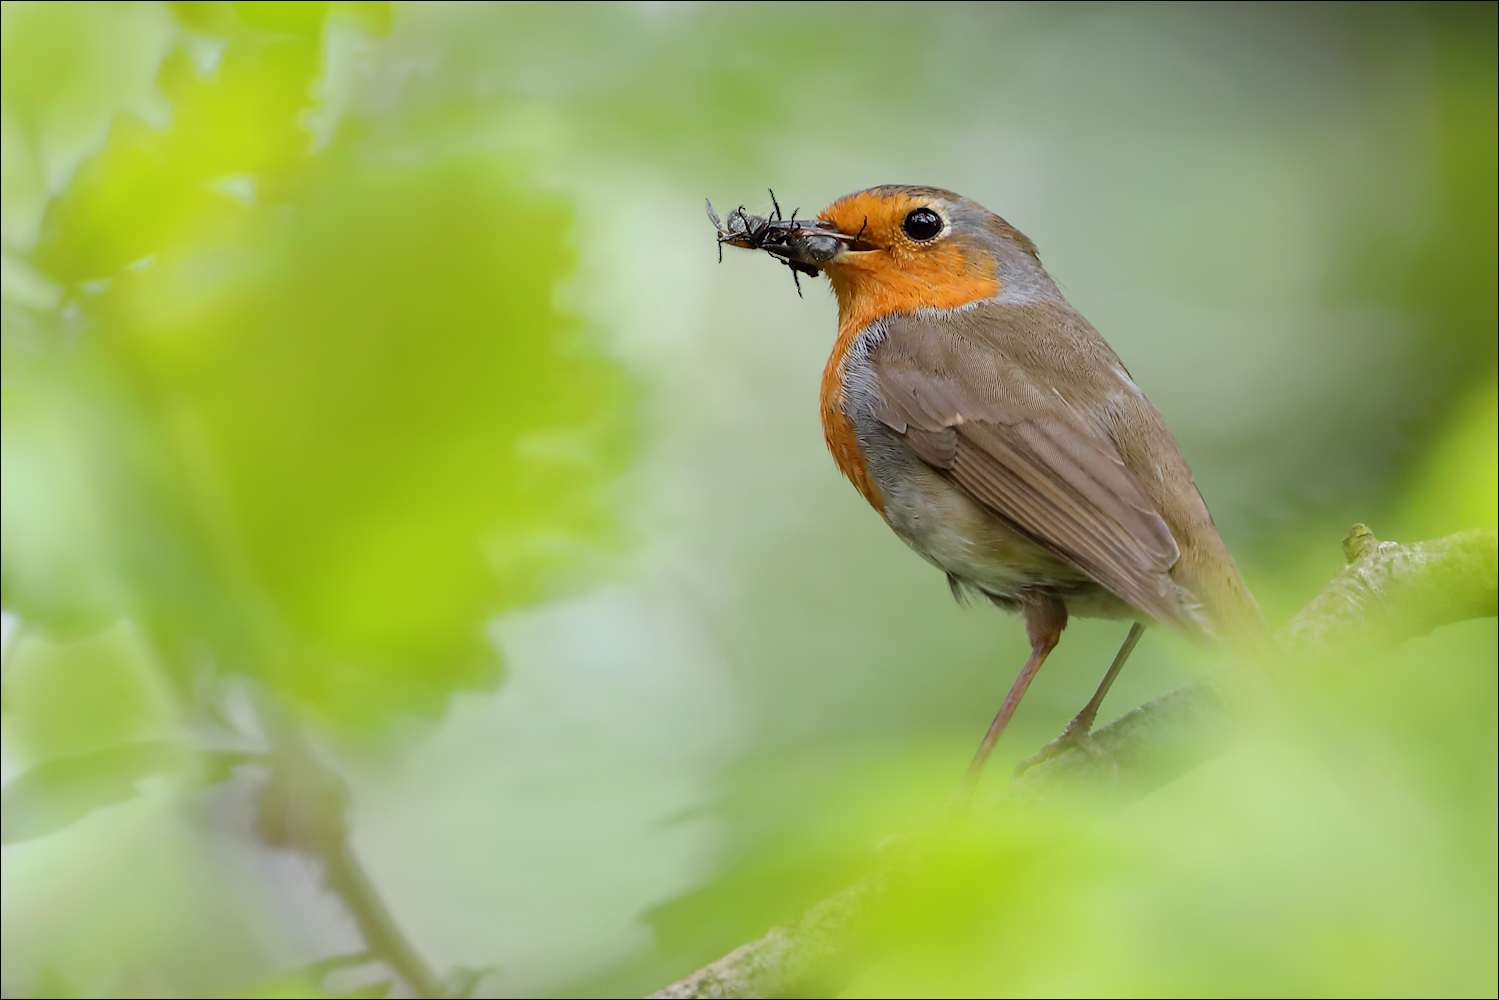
921,224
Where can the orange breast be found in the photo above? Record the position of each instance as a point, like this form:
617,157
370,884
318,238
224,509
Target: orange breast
837,429
872,285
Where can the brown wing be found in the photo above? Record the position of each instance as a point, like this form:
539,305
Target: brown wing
1030,456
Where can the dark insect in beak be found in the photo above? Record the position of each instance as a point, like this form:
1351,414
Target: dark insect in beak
785,239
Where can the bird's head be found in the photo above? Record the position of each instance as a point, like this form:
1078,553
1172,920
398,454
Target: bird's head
897,248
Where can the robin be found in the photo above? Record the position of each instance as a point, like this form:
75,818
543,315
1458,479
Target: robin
1000,437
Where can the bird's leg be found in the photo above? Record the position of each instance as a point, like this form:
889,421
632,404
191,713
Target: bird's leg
1078,730
1045,617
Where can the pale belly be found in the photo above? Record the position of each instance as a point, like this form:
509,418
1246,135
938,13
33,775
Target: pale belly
969,542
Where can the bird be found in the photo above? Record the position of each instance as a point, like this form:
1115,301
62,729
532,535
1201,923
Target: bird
1000,437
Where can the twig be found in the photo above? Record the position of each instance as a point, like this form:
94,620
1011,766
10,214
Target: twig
304,807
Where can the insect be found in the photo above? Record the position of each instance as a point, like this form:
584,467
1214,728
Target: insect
775,234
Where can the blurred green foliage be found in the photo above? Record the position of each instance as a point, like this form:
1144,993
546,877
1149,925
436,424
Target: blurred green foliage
325,326
311,415
1342,847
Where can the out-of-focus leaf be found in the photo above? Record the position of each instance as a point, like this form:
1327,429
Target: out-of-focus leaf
342,396
287,16
73,698
375,15
308,981
57,793
382,410
65,71
150,189
50,984
94,516
59,552
1461,487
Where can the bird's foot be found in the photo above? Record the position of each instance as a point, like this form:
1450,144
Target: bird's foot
1075,735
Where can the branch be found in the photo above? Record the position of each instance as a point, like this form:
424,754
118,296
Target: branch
1386,594
304,807
786,955
1389,593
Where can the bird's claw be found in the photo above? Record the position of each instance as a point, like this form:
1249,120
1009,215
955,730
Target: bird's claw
1075,735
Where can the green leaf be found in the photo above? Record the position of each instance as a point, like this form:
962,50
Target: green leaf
311,415
71,699
60,792
394,429
307,981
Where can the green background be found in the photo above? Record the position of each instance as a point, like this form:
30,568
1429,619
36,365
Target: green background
379,357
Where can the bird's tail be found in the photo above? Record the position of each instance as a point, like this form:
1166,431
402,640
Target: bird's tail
1234,616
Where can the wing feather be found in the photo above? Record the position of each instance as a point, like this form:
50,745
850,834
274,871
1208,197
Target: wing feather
1061,483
